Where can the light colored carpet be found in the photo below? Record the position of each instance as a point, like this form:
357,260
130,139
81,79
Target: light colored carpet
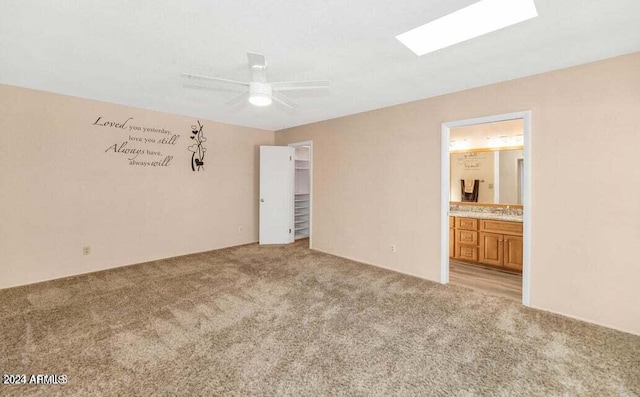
285,320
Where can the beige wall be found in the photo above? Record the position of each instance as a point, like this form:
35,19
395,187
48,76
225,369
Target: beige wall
377,182
60,190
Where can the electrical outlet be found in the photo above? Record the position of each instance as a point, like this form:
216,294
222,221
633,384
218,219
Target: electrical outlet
86,250
240,229
393,248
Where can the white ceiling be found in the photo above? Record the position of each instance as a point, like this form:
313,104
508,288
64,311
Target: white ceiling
132,52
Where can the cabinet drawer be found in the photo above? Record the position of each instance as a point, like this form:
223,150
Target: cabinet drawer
467,223
467,237
466,252
514,228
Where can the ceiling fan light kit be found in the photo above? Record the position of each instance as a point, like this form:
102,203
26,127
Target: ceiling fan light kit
260,92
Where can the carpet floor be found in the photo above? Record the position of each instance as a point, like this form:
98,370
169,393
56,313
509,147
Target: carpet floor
285,320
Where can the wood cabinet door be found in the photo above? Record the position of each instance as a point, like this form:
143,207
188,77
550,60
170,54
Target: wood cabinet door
491,249
452,241
513,252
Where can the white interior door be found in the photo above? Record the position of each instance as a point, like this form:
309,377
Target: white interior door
276,194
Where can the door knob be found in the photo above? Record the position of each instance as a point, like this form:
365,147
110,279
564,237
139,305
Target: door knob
262,200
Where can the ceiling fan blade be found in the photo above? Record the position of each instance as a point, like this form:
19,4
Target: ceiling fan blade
215,79
244,97
284,100
257,67
299,85
307,93
215,89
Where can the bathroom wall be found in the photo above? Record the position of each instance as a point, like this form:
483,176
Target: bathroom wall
475,166
508,175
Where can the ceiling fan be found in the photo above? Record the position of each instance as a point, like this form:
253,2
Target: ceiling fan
259,91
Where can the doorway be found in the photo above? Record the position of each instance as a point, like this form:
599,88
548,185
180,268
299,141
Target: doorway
302,216
286,194
480,245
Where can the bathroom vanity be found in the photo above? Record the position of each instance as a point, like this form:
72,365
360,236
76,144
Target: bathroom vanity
490,239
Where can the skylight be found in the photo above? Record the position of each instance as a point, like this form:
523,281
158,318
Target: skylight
483,17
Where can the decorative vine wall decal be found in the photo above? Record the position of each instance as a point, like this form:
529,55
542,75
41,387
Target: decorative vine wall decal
197,149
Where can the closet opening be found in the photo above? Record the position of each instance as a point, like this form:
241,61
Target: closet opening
303,191
486,192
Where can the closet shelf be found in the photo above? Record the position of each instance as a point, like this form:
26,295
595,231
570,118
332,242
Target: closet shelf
302,189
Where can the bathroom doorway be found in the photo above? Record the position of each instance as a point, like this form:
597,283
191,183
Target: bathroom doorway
485,204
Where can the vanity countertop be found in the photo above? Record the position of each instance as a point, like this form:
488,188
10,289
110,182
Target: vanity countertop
487,215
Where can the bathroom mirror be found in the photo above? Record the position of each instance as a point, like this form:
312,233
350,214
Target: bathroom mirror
490,176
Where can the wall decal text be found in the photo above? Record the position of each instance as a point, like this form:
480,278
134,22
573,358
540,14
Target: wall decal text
141,146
